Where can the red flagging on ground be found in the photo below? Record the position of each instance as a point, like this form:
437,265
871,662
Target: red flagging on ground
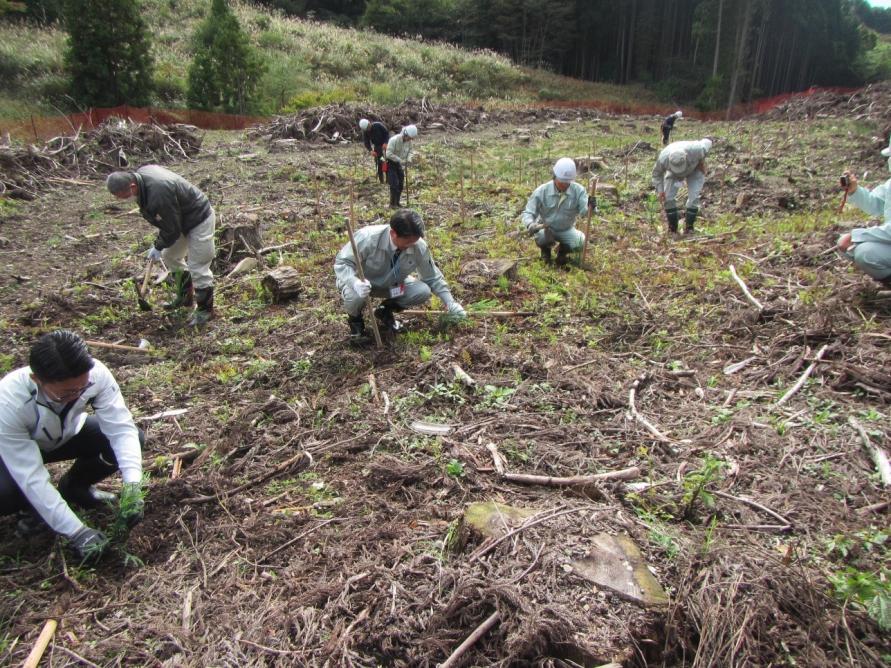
43,128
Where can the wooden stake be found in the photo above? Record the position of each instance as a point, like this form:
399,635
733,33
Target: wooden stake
462,195
118,346
359,271
475,314
592,191
46,635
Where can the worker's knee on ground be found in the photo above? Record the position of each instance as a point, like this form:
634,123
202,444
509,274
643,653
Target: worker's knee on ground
873,258
575,239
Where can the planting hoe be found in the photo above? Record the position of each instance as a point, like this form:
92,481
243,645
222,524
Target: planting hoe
142,290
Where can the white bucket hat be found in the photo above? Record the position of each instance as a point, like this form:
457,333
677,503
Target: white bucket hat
677,162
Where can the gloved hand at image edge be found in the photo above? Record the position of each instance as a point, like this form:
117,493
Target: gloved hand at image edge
153,254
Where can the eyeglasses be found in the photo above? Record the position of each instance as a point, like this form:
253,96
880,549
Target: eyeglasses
70,395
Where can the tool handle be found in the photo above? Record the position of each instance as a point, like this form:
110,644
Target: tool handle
147,276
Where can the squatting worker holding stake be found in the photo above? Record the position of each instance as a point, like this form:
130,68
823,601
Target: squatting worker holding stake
551,212
375,136
678,162
389,254
870,247
43,419
186,221
398,155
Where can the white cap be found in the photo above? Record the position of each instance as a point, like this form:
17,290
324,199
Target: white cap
679,113
677,162
887,151
363,124
410,131
706,144
564,170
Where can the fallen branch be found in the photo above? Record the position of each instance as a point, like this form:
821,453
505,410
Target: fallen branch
469,641
472,314
756,505
758,305
879,456
551,481
296,538
250,483
46,635
800,382
632,409
118,346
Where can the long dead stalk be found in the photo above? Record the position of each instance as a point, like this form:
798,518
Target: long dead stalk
879,456
800,382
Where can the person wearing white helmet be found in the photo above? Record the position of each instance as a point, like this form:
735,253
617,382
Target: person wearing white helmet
398,155
552,209
678,162
668,125
375,136
870,247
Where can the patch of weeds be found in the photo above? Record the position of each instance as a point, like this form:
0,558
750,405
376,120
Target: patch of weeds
495,397
6,363
517,453
455,468
452,392
659,533
870,591
236,345
301,367
425,354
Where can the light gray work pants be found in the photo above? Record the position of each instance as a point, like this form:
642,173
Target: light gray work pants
194,251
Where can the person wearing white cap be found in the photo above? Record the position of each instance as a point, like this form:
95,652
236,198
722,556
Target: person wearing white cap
668,125
375,136
870,247
678,162
398,155
552,209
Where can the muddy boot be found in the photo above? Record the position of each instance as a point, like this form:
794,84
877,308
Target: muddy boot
689,219
562,255
185,291
357,329
546,254
672,216
76,486
384,315
203,307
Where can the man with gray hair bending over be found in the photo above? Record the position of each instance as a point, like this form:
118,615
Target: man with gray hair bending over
678,162
186,222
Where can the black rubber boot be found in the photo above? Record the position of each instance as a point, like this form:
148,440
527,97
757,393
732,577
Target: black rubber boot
185,291
690,219
203,307
76,486
672,216
357,328
546,255
562,255
384,314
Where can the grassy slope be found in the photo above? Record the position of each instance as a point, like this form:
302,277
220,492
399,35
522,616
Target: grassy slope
312,62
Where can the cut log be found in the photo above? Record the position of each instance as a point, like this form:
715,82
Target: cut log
282,284
488,271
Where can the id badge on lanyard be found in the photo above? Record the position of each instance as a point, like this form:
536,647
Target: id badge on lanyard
398,288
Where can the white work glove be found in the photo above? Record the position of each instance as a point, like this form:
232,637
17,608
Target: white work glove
456,312
153,254
88,544
362,288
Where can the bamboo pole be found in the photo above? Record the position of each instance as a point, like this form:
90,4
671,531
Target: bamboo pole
46,635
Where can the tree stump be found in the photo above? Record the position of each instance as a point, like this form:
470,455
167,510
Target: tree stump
240,240
282,284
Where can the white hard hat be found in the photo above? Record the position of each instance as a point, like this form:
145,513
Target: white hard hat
410,131
887,151
564,169
706,144
679,113
677,162
363,124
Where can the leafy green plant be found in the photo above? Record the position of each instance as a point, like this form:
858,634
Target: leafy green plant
494,396
455,468
696,484
866,590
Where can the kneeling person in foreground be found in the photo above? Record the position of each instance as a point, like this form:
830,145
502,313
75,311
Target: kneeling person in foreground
552,209
43,419
869,248
388,255
186,222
